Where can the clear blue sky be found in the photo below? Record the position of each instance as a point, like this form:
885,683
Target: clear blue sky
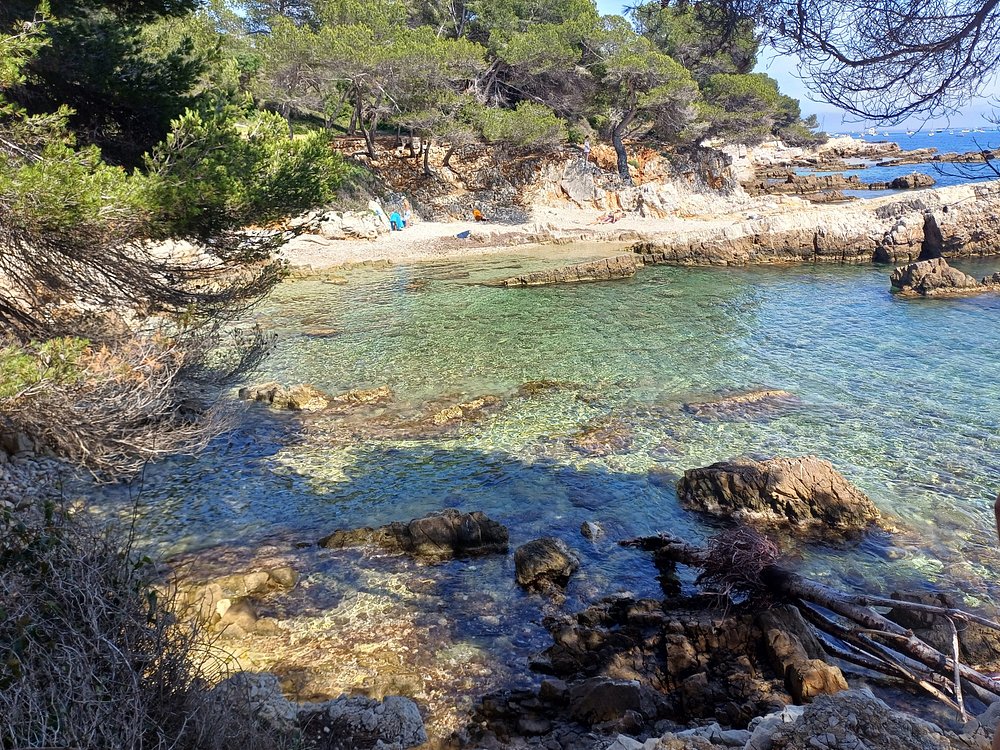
831,118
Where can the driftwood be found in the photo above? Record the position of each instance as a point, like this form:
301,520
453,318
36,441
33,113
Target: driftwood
848,625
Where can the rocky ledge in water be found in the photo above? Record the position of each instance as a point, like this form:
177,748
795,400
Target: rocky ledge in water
305,397
605,269
802,493
742,405
935,278
809,185
449,533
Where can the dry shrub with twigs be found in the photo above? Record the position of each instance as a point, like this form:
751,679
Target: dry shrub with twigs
91,656
110,408
734,560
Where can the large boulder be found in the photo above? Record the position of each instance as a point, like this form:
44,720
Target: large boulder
801,492
855,719
935,278
448,533
544,562
912,181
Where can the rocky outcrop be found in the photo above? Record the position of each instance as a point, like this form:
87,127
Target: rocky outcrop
449,533
302,397
912,181
935,278
958,221
543,563
228,605
797,654
802,493
345,723
606,269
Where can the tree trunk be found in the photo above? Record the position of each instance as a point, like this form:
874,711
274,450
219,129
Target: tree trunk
616,141
352,128
427,156
447,156
413,151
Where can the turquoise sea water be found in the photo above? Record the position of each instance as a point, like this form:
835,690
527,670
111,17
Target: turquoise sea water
903,396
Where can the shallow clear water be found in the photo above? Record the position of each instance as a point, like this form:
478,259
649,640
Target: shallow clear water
901,395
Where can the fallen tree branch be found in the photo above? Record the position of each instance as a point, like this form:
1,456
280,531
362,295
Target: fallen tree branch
854,622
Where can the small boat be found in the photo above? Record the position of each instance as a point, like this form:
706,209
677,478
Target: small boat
910,133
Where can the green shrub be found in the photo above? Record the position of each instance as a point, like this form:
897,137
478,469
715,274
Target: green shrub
528,125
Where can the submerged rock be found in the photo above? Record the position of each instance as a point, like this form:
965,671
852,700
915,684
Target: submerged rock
935,278
604,437
543,563
744,404
619,267
302,397
465,411
364,396
449,533
803,492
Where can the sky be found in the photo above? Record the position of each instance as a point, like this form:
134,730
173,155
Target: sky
834,120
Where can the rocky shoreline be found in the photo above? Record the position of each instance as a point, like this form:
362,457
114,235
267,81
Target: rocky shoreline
713,208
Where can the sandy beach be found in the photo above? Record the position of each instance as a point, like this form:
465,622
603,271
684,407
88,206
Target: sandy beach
552,227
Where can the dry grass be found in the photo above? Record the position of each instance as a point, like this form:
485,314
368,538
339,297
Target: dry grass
92,658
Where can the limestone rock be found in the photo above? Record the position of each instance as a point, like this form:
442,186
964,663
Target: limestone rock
449,533
606,269
544,562
239,619
803,492
358,723
463,411
259,695
935,278
856,719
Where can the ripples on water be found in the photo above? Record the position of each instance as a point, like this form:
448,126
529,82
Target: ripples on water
902,397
